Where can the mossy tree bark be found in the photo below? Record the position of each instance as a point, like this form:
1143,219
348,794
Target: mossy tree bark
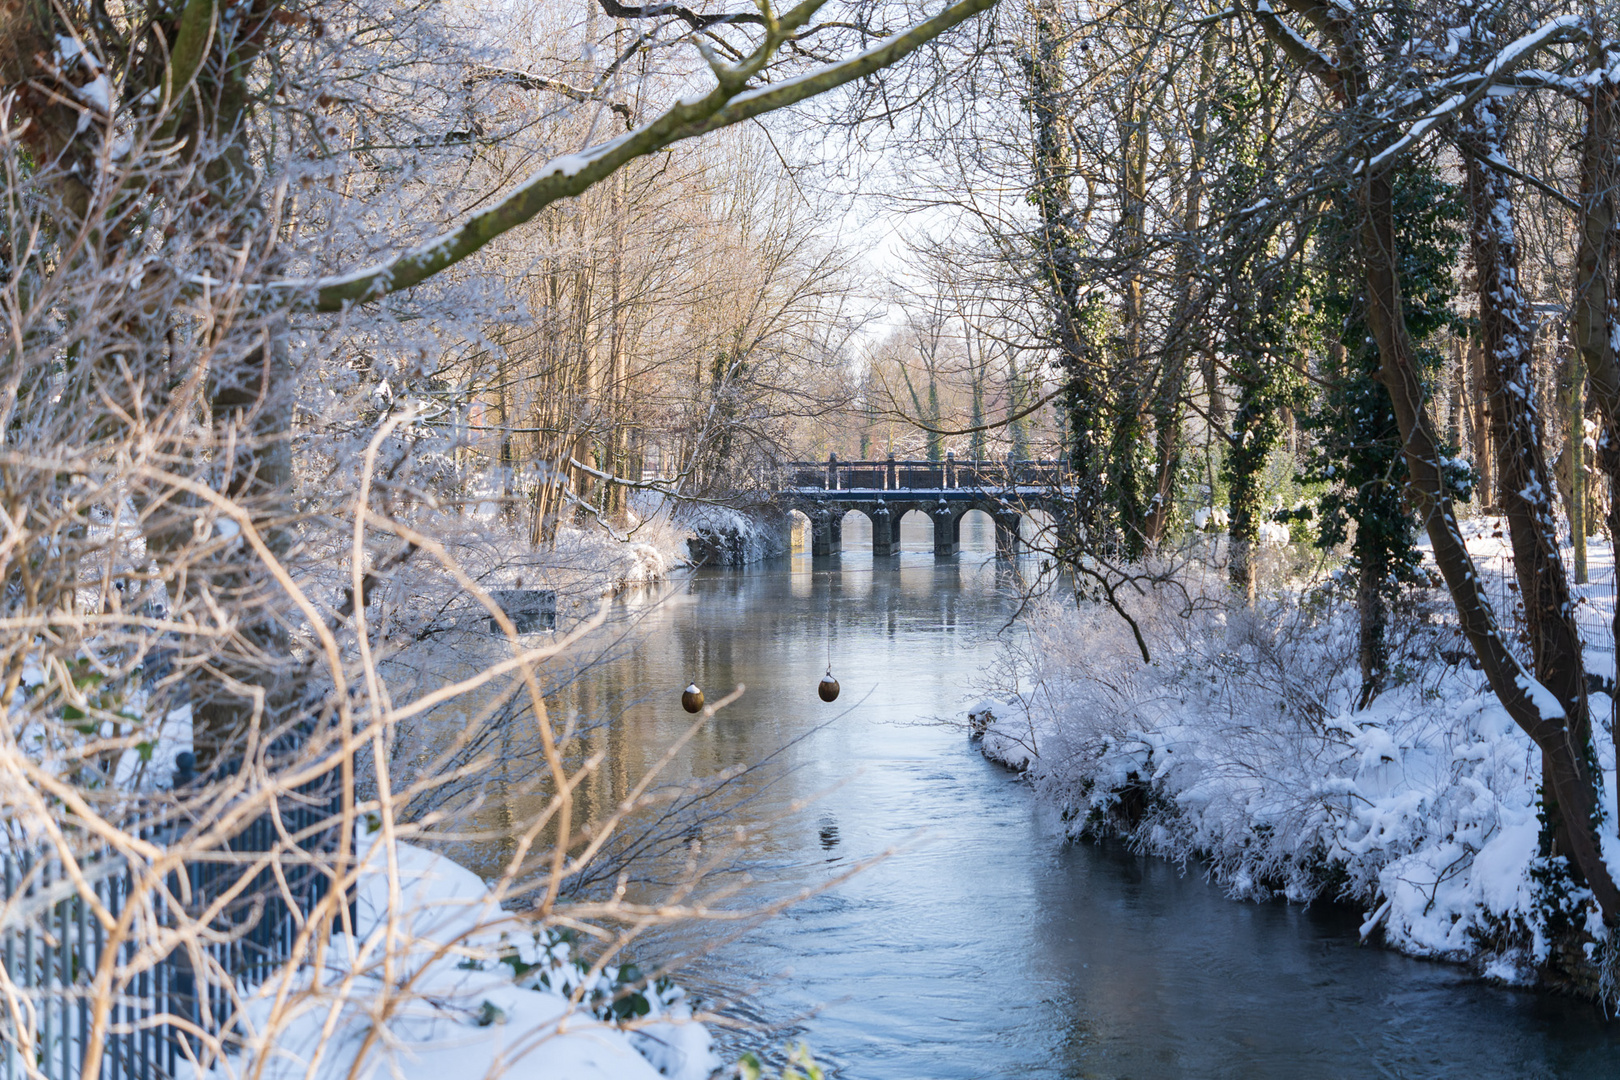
1555,722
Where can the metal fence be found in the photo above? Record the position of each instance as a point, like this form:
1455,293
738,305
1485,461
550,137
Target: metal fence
1594,603
53,945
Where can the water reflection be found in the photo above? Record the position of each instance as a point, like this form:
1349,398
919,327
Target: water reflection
985,948
828,834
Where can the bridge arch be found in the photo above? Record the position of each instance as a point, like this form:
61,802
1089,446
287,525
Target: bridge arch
916,520
980,530
858,523
802,530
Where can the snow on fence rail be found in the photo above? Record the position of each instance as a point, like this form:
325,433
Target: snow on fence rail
52,946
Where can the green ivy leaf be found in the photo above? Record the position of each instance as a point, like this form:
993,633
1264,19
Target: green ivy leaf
515,962
631,1005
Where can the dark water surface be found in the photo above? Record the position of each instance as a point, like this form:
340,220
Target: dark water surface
986,948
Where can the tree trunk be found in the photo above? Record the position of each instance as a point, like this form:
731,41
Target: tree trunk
1373,651
1480,420
1454,381
1059,240
1129,380
1167,409
1507,326
1571,790
1594,301
1246,453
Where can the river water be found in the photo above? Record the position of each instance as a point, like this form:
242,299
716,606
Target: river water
985,947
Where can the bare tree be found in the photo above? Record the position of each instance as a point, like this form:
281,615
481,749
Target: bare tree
223,447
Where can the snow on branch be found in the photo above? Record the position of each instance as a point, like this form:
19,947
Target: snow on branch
1451,105
727,104
528,81
1563,28
1502,165
1298,49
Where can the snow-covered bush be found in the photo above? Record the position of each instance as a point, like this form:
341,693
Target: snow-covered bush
1240,745
723,536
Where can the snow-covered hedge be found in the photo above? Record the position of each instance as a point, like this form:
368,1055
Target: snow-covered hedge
1240,745
726,536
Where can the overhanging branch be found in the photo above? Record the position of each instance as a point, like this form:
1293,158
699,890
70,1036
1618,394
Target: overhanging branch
730,102
686,15
1563,28
512,77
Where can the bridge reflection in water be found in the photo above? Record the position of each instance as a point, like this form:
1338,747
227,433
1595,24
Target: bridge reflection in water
885,491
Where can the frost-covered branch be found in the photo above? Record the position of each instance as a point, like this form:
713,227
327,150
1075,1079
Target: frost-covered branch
529,81
1300,51
1564,28
730,102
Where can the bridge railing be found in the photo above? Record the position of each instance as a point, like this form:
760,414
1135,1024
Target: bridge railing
890,474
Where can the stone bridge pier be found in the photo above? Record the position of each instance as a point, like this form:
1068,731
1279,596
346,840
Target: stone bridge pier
826,531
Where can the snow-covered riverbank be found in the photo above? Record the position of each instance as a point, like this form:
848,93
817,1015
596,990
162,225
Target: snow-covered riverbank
440,982
1240,745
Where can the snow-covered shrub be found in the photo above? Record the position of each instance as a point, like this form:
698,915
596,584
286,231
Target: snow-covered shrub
1274,533
1239,744
616,992
662,1030
723,536
750,1067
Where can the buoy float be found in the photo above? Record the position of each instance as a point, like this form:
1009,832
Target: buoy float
828,688
692,698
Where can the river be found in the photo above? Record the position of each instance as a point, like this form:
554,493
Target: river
985,947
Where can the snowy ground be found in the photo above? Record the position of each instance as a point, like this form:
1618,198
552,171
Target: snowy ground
441,983
1240,745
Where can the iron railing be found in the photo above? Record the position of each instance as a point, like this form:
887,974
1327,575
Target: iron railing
52,946
950,474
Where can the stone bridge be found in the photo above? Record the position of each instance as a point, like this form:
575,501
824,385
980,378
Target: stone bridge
885,491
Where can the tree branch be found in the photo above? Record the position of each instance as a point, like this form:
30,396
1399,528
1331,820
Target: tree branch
1300,51
1563,28
727,104
988,426
513,77
686,15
